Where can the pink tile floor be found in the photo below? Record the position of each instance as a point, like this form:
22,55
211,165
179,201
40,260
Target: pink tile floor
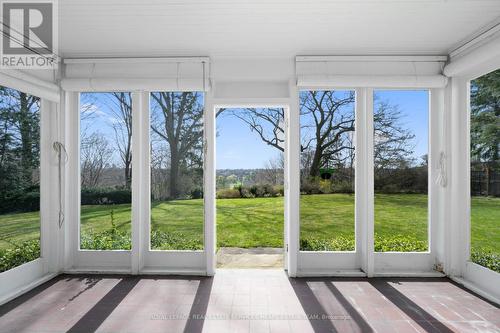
248,301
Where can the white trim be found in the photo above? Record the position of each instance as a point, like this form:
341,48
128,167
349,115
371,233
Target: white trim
409,274
369,190
331,273
459,183
209,176
292,150
29,84
153,60
477,62
21,277
373,58
98,270
132,84
373,81
491,32
476,289
140,148
27,287
72,175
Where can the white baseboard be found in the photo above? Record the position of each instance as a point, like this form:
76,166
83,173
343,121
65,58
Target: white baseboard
409,274
28,287
474,288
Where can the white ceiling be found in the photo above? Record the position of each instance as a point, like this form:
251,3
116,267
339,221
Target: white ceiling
269,28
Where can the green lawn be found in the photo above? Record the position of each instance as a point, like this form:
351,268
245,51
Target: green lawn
259,221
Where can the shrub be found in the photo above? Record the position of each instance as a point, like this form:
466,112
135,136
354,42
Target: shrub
197,193
279,190
105,240
21,254
486,259
339,243
28,201
161,240
119,240
228,193
397,243
343,186
105,196
310,187
325,186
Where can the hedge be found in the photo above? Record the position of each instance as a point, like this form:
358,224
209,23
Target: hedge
254,191
105,196
14,202
114,239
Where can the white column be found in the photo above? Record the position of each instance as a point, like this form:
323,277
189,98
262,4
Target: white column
293,180
49,186
364,179
459,189
72,174
209,184
140,179
437,135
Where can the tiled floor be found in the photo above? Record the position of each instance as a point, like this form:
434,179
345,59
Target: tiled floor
257,257
247,301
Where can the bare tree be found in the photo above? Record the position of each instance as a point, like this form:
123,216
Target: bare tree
178,119
332,118
268,123
95,154
393,144
327,130
122,111
273,171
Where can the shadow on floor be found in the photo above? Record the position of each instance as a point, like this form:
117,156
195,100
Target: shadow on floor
317,305
423,318
91,321
199,308
11,305
94,318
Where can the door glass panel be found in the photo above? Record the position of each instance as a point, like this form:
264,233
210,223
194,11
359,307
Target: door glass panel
401,124
485,170
105,170
327,170
176,137
19,178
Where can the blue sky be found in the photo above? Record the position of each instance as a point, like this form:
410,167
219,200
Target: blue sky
414,106
239,148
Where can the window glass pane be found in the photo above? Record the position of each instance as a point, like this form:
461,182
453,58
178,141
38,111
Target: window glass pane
106,170
327,170
176,170
485,170
401,127
19,178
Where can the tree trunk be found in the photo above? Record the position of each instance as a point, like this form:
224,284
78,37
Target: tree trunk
26,142
315,165
174,174
128,173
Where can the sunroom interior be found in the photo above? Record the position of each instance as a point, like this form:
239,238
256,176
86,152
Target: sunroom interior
153,77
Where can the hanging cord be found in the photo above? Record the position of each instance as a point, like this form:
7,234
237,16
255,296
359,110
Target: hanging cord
205,144
62,158
441,177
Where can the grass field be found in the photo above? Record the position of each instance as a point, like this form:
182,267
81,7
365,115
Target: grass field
259,221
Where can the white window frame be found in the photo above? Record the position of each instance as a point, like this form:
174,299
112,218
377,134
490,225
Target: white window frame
346,263
22,278
474,276
417,263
